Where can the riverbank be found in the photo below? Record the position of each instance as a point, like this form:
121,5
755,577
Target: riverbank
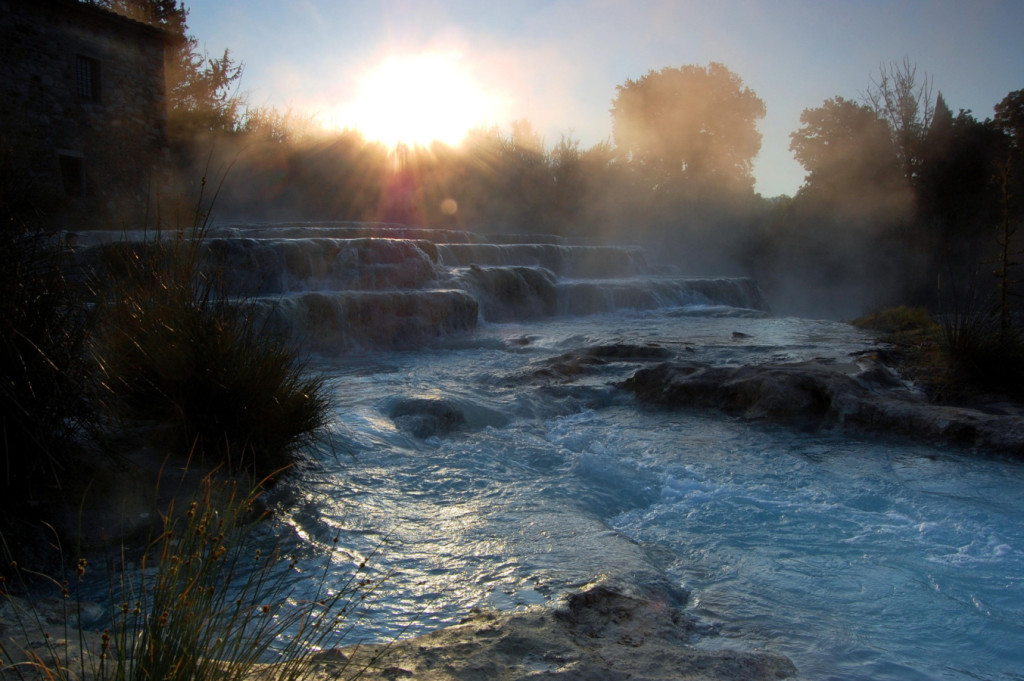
585,374
599,632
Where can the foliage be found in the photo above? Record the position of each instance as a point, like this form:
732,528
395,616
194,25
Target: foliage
690,123
849,157
897,320
957,199
1010,118
201,90
43,378
981,355
202,603
174,353
907,105
1005,262
270,125
168,14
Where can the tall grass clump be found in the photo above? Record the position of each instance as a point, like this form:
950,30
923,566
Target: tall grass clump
201,603
44,381
898,321
197,368
983,351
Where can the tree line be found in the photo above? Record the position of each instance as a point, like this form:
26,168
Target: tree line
899,191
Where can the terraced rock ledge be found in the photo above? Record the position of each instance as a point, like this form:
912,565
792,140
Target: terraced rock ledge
863,395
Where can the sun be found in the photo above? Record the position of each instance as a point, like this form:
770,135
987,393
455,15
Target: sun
416,99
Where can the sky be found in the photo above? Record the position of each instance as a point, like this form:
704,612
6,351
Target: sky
439,67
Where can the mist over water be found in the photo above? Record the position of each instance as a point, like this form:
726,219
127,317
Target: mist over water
481,455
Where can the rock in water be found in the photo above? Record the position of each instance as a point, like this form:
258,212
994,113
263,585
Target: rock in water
598,634
814,395
422,417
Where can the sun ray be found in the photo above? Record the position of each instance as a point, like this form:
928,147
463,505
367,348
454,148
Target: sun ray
417,99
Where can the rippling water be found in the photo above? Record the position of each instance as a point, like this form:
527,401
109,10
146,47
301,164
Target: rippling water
859,558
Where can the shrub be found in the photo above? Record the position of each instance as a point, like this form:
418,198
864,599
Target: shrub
201,603
176,354
44,328
981,353
895,320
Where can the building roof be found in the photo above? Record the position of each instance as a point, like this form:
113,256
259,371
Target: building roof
90,11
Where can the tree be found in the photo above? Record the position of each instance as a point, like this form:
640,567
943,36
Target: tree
202,91
848,154
692,124
1010,118
955,192
568,182
524,179
906,105
168,14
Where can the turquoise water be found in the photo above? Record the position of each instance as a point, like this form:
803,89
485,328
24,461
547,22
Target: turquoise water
859,558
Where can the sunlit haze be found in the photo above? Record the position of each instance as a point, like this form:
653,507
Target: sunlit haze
416,99
416,71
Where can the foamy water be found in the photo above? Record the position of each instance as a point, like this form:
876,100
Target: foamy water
859,558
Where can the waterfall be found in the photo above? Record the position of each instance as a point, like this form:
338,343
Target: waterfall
380,285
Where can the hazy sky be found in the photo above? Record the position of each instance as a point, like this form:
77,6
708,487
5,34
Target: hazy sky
557,62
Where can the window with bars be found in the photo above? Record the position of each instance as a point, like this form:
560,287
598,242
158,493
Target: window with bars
87,77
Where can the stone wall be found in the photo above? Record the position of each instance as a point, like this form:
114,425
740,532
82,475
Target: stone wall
83,113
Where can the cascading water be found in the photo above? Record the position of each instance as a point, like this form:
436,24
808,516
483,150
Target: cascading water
480,437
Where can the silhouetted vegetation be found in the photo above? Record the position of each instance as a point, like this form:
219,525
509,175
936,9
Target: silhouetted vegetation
900,192
686,128
202,91
204,602
45,386
149,346
903,202
174,354
882,216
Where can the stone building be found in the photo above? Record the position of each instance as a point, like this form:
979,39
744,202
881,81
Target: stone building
83,112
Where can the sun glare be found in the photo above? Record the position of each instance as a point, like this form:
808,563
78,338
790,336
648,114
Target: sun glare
416,99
